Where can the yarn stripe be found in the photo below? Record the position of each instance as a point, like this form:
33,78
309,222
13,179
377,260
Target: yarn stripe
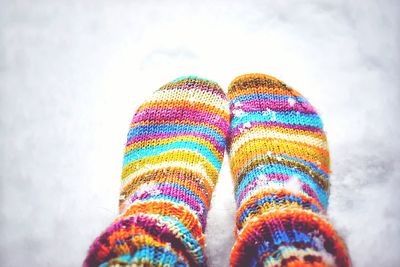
267,134
174,128
281,117
197,166
157,150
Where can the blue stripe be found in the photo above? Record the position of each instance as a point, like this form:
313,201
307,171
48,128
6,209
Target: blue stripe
282,169
267,97
140,153
290,237
283,117
274,199
155,255
304,162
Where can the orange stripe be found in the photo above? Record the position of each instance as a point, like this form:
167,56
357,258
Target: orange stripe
264,90
169,209
169,177
258,147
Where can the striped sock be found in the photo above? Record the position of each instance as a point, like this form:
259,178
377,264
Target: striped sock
280,165
172,159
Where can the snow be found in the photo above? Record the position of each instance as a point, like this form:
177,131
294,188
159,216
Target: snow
294,185
291,101
73,72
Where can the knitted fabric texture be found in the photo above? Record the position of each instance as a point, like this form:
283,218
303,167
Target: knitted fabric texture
173,155
280,165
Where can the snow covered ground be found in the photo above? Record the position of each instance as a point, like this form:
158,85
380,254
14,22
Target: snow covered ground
73,72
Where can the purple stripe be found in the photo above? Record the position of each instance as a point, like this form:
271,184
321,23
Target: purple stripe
276,105
237,131
179,114
146,136
167,190
309,191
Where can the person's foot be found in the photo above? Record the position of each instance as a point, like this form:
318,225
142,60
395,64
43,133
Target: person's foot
172,159
280,165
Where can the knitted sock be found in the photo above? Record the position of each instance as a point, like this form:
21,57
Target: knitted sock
172,158
280,164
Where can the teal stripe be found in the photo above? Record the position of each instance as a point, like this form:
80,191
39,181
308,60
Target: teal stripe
155,255
140,153
192,245
267,97
282,169
281,117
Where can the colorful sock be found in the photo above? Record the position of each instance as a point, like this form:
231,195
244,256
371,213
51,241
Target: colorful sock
280,165
172,159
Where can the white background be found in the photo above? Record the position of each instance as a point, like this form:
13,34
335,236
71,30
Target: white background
73,72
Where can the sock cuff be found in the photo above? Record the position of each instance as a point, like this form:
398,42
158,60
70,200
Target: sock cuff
301,230
134,239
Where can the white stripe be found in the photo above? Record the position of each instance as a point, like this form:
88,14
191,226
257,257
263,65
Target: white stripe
198,96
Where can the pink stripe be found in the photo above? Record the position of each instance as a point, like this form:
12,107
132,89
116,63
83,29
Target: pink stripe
146,136
180,114
309,191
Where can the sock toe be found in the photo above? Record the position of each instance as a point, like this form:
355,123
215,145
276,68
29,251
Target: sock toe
272,123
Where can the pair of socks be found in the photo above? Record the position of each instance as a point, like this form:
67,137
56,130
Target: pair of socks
279,161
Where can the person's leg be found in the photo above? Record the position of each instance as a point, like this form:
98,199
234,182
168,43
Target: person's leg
172,159
280,165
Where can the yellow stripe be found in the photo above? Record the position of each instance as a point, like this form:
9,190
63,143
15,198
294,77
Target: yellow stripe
187,159
261,147
198,96
257,133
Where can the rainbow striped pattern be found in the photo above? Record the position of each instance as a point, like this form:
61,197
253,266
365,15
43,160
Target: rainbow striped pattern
280,165
172,159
